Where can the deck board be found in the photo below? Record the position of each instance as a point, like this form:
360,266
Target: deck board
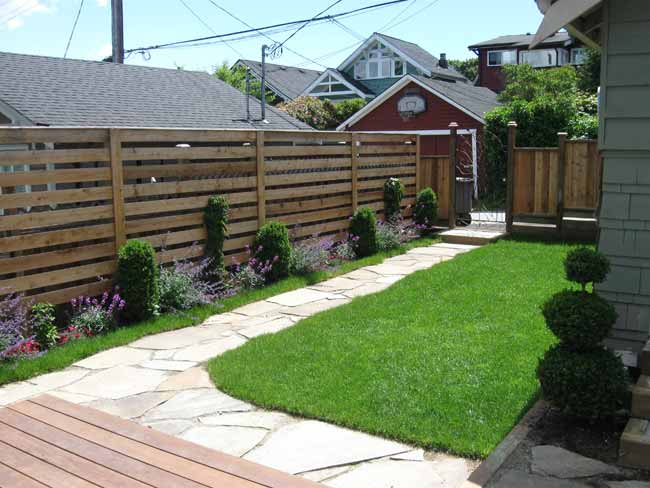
47,441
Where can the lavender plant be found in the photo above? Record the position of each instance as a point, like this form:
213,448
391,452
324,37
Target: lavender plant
187,284
13,322
392,234
252,274
92,316
311,255
344,251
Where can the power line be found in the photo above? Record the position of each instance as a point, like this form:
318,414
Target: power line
345,28
397,16
430,4
74,26
207,26
21,10
283,24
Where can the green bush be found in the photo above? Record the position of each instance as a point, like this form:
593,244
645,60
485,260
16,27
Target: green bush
363,232
590,384
137,278
216,223
43,325
425,212
272,245
579,319
347,108
393,194
584,265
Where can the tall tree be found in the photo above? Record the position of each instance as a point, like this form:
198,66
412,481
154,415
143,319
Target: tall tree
466,67
236,76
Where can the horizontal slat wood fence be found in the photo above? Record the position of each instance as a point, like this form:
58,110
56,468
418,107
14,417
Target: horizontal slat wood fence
435,174
71,197
546,184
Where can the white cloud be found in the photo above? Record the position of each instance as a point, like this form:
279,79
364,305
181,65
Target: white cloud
102,3
104,51
17,10
15,23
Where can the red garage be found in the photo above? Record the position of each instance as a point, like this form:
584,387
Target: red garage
427,106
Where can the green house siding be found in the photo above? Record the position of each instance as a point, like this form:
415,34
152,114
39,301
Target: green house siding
624,219
379,85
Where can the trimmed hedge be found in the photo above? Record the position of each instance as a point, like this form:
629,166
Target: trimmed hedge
216,223
137,279
272,245
363,232
584,265
393,195
425,212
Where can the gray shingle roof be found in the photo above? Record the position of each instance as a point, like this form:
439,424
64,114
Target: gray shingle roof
68,92
422,57
521,40
288,82
476,99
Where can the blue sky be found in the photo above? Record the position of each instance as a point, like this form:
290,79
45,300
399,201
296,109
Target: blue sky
43,27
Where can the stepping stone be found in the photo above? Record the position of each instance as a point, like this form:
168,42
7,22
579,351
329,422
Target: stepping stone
299,297
258,308
176,339
361,275
132,407
560,463
209,350
314,307
192,378
164,354
367,289
118,356
310,445
267,328
72,397
52,381
519,479
196,403
339,283
391,474
235,441
434,251
18,391
417,455
168,365
118,382
260,419
390,269
171,427
389,280
223,318
321,475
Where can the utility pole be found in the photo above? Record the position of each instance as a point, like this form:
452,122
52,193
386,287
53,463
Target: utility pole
263,84
117,24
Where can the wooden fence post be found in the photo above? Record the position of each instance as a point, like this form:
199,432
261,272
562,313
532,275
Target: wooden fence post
261,179
561,163
354,156
453,149
510,174
418,165
117,180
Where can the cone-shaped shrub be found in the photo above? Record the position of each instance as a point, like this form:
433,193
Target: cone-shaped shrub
425,212
393,194
44,325
272,245
137,278
216,222
363,232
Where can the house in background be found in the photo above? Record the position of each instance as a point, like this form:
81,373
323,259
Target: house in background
47,91
366,73
559,49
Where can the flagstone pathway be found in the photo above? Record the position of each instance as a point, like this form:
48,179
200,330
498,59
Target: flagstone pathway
161,381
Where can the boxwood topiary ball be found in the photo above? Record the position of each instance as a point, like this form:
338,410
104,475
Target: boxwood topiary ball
591,384
584,265
579,319
272,245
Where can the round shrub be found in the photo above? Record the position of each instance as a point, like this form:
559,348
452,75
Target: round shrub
363,232
272,245
216,222
393,194
44,325
584,265
425,213
137,278
579,319
591,384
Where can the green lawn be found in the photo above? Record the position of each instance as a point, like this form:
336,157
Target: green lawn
64,356
443,359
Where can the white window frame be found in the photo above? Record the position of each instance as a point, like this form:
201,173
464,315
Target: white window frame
583,53
330,77
539,52
329,81
512,51
375,56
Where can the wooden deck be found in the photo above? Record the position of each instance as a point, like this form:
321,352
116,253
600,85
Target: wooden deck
48,442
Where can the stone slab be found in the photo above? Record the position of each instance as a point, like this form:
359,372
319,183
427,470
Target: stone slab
189,379
118,382
390,269
176,339
132,407
18,391
72,397
390,474
435,251
52,381
416,455
171,427
361,275
316,307
366,289
202,352
560,463
519,479
235,441
322,475
118,356
270,327
258,419
299,297
338,283
190,404
168,365
258,308
310,445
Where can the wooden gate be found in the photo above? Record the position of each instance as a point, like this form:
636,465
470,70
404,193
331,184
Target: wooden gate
549,185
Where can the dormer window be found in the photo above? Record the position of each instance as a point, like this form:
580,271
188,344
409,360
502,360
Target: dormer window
378,61
499,58
539,58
